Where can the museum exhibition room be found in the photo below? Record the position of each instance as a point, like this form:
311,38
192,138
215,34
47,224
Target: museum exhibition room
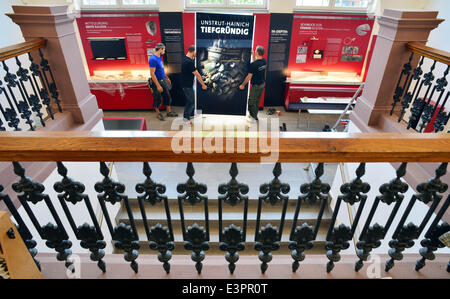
225,139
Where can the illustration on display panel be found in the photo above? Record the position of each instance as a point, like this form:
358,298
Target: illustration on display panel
224,45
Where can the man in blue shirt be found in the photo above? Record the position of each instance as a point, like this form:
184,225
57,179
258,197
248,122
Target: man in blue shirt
161,82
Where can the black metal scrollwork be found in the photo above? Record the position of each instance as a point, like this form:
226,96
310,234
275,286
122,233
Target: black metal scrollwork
159,236
90,237
124,236
232,239
442,117
405,235
24,232
430,109
195,237
338,237
431,242
268,239
32,98
43,92
22,106
399,89
419,104
9,113
302,237
55,235
407,98
371,236
51,85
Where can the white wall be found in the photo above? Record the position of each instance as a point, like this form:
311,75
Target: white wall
10,32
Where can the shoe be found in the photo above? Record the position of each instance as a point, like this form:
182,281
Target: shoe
196,116
160,116
251,120
172,114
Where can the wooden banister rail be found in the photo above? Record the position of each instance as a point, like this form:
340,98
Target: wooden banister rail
435,54
156,146
22,48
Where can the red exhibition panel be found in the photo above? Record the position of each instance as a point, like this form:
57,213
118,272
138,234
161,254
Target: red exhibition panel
117,96
261,38
329,43
129,25
188,29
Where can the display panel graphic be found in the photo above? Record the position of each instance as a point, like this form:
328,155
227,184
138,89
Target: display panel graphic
138,33
108,48
224,45
329,43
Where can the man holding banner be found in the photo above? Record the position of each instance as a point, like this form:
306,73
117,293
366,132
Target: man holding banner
188,71
257,75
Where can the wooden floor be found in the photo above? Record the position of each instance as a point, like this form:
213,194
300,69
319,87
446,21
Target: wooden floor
215,267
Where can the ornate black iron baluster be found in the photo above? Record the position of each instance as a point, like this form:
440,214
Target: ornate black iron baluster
55,234
125,237
302,237
232,239
22,106
2,128
371,236
420,103
43,92
405,235
160,237
409,95
195,237
32,98
268,238
91,237
399,89
442,117
338,237
429,109
431,242
9,114
21,226
51,85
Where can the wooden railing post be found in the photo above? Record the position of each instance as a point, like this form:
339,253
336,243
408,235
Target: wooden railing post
56,25
397,28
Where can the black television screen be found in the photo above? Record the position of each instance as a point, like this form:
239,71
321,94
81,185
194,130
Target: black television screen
108,48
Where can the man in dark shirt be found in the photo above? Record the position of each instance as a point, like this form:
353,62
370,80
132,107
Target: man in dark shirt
188,71
256,74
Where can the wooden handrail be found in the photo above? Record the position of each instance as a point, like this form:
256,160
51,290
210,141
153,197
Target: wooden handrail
157,146
435,54
22,48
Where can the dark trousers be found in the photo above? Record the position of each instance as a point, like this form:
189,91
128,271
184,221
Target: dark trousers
190,99
165,94
253,100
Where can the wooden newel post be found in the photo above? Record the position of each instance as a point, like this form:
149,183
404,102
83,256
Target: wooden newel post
397,28
56,25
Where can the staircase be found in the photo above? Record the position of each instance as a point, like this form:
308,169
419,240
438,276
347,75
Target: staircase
271,214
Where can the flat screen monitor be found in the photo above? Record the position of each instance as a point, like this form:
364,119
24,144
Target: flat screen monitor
108,48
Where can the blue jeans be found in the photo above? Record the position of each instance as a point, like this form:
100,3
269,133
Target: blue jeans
190,99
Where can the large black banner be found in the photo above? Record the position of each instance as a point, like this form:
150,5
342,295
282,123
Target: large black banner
279,43
224,45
